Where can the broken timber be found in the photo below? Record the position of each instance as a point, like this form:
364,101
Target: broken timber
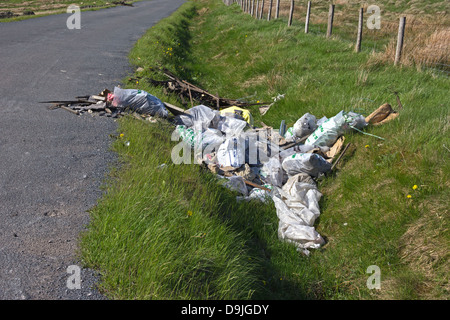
188,91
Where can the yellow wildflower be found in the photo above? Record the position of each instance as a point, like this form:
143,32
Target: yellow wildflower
366,146
415,187
189,213
409,196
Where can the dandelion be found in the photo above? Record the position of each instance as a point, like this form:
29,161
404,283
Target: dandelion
121,135
415,187
137,82
189,213
366,146
409,196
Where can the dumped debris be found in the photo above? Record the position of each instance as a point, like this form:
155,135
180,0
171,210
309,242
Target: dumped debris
115,104
282,165
188,92
270,164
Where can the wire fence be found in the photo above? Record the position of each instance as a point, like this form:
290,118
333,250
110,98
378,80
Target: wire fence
408,41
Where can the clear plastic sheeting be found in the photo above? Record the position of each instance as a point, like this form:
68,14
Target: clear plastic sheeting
200,117
139,101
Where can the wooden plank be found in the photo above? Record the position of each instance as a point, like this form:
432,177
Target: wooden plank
256,185
70,110
174,109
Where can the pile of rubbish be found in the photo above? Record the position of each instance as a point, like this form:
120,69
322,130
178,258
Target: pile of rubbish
281,165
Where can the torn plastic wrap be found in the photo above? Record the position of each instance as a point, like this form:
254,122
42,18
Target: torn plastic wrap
139,101
297,206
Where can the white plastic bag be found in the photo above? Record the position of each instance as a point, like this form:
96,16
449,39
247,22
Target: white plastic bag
231,153
260,194
310,163
139,101
232,127
305,125
328,132
211,139
297,205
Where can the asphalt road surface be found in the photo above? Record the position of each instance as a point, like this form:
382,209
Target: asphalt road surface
52,162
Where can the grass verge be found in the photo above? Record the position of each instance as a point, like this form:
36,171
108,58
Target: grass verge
173,232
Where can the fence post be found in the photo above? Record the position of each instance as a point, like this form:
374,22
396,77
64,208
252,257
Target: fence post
277,10
269,14
401,34
252,9
256,9
330,20
291,13
262,9
360,30
308,13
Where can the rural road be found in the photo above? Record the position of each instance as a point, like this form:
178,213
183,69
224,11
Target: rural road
53,162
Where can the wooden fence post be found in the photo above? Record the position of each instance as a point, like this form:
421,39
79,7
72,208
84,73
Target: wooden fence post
256,9
360,30
291,13
269,14
252,10
330,20
262,9
308,13
277,10
400,38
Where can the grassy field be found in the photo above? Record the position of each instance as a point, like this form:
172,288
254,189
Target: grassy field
427,29
34,8
174,232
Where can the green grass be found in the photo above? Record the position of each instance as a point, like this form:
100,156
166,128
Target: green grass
147,246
